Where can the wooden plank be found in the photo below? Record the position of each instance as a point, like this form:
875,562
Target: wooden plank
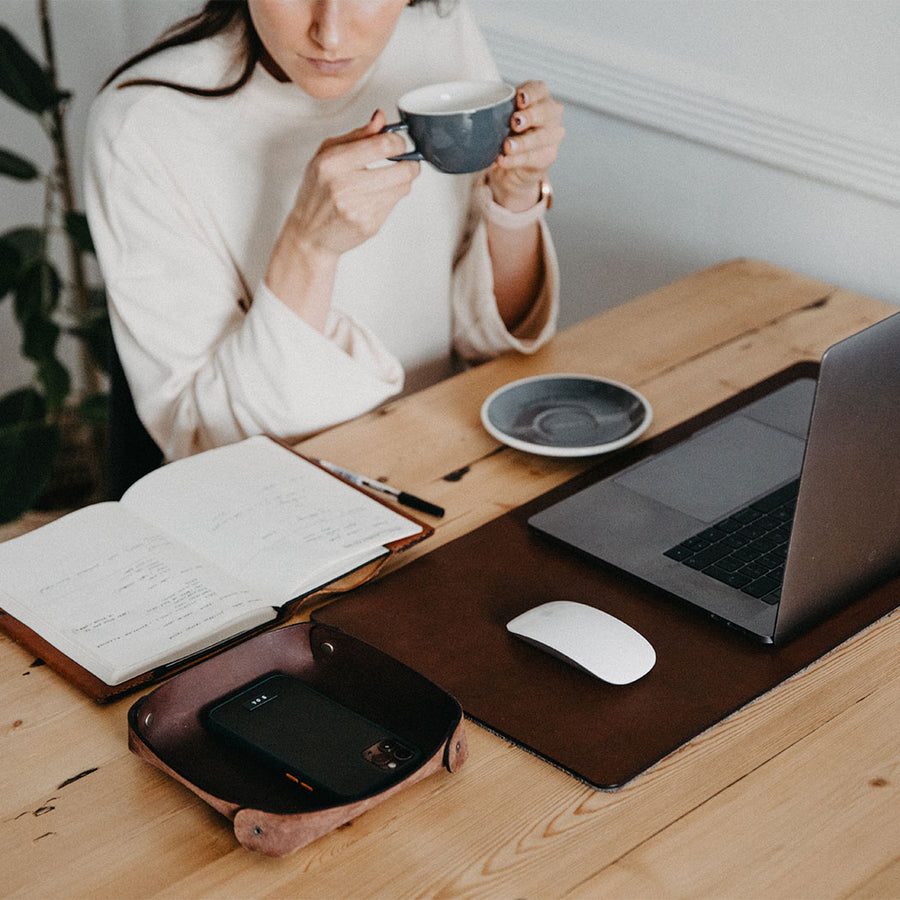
778,817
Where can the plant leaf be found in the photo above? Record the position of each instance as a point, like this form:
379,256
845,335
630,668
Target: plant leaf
28,241
94,330
27,453
77,229
17,166
55,379
94,409
22,78
10,264
39,338
37,292
22,405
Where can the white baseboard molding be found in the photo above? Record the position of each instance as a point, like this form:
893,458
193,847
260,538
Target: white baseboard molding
671,96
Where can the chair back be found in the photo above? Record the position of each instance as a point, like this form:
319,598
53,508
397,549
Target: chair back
132,452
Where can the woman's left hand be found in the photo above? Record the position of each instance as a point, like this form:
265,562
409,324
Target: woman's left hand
537,132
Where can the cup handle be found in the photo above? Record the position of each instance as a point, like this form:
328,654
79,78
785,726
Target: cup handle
413,155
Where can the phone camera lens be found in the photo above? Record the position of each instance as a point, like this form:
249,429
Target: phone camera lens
388,754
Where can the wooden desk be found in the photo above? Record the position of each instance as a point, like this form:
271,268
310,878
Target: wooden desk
794,796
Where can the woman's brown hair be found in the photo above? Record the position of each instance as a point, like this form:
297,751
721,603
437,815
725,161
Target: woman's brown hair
215,17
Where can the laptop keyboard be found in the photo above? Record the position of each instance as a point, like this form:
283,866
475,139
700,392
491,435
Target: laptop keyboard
748,549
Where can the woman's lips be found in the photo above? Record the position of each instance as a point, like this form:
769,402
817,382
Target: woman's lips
329,66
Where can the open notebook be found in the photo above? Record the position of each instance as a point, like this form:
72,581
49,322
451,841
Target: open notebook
198,553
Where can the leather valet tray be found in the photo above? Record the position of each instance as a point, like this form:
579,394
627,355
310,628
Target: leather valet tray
166,729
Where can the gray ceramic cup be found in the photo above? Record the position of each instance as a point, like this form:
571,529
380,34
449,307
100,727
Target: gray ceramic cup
457,126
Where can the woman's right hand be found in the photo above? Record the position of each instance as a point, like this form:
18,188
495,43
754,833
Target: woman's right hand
340,205
342,202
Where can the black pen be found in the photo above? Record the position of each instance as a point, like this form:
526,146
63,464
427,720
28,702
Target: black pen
403,497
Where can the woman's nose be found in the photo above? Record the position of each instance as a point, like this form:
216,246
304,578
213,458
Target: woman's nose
325,25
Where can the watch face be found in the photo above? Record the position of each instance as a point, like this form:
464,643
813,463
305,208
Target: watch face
546,193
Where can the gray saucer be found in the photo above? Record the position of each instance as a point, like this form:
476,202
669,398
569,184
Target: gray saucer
566,415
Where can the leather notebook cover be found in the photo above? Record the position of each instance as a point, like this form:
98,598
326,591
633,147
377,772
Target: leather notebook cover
445,615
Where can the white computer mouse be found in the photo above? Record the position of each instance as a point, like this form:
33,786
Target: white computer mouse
588,639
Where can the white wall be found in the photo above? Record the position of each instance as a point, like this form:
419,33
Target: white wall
697,131
701,130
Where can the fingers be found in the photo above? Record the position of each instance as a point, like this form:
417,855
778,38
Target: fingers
365,145
358,154
535,106
350,175
536,133
344,198
535,149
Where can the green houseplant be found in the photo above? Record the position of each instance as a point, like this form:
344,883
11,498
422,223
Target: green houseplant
48,300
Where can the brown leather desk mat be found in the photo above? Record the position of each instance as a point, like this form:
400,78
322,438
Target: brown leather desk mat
445,615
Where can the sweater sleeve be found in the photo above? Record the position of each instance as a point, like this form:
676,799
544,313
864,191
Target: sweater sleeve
478,331
207,362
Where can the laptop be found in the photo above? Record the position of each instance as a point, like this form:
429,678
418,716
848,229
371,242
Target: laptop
775,515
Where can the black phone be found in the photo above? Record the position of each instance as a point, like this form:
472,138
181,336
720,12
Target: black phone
321,746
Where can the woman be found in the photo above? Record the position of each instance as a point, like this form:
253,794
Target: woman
266,271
